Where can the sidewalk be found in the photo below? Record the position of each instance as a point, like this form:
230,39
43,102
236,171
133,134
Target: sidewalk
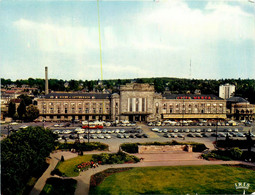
55,158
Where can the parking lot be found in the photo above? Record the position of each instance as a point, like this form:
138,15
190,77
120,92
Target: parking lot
114,136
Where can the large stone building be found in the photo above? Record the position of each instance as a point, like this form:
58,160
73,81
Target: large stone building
239,108
135,102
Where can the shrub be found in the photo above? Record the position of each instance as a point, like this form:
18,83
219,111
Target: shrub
236,153
117,158
60,186
133,147
83,146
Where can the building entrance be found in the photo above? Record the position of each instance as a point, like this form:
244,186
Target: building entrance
137,117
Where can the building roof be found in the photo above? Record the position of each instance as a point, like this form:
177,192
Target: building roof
77,96
192,96
237,100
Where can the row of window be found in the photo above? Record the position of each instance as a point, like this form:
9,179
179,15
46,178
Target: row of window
79,111
190,105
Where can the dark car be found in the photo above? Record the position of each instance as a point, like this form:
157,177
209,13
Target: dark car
145,136
131,136
138,135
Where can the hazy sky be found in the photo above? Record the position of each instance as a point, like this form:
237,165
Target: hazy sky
156,38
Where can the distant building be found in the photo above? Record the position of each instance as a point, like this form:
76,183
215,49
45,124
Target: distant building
226,91
135,102
239,108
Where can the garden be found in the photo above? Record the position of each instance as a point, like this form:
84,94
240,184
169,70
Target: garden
207,179
72,167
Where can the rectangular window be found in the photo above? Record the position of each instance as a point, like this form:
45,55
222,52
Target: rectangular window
131,105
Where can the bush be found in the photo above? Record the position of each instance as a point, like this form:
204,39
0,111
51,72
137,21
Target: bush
83,146
117,158
133,147
60,186
236,153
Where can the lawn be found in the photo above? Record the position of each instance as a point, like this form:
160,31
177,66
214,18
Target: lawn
67,167
208,179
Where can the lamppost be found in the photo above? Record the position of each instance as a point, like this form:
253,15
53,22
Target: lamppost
216,131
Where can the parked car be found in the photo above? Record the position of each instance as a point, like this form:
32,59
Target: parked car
138,135
167,135
145,135
120,136
191,135
155,129
107,136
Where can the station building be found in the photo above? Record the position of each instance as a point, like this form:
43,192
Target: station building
135,102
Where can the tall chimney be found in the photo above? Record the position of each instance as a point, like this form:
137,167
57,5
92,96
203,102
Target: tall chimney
46,81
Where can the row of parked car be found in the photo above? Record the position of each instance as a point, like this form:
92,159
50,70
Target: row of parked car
158,130
189,123
96,131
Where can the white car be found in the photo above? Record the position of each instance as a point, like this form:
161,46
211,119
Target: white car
56,132
117,131
209,130
176,130
67,131
23,127
107,136
14,123
98,131
155,129
186,130
56,125
198,130
235,130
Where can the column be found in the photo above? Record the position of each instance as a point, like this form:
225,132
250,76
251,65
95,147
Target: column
140,105
128,104
133,104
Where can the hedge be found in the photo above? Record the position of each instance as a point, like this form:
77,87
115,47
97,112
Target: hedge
83,146
133,147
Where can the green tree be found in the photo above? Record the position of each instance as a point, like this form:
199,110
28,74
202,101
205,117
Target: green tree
11,109
32,112
27,100
22,109
23,155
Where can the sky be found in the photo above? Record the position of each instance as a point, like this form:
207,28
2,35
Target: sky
197,39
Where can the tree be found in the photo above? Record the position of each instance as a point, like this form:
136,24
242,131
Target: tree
22,109
32,112
11,109
23,155
27,100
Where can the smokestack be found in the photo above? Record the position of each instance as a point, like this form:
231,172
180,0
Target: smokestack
46,81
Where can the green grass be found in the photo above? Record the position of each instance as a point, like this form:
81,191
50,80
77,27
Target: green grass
208,179
67,167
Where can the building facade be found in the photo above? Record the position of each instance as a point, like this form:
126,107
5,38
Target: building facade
226,91
239,108
135,102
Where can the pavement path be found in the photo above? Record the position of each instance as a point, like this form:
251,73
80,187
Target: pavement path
53,161
166,159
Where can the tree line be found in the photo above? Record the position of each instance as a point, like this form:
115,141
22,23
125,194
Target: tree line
23,155
244,87
26,110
